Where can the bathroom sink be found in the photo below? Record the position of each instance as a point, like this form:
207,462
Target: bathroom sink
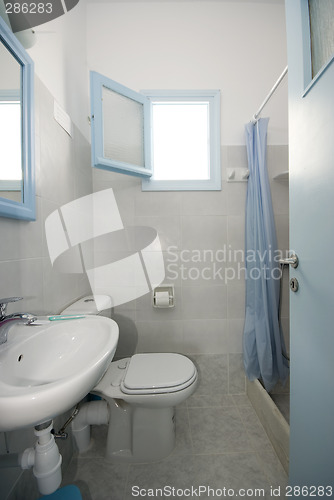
49,366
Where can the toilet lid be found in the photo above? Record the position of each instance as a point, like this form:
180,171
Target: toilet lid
158,373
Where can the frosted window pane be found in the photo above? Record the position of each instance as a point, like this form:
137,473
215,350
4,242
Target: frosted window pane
322,32
180,141
123,129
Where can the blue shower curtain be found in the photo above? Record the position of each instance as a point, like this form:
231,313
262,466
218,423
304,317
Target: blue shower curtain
263,342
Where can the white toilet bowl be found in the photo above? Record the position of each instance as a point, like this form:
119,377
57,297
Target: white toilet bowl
141,392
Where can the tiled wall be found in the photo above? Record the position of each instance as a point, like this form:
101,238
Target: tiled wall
62,174
195,229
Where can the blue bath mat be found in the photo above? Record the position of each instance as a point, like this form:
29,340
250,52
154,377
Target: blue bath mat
70,492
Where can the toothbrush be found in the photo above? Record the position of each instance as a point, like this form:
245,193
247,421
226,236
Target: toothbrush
62,317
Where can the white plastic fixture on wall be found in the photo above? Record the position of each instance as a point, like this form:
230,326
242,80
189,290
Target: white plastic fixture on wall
237,174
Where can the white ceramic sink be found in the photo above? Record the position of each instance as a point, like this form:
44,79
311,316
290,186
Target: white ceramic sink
46,369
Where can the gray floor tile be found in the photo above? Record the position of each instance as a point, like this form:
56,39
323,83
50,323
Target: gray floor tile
98,479
255,429
183,442
173,472
202,475
218,430
213,374
241,400
210,400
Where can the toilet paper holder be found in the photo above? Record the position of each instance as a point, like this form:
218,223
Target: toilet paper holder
163,296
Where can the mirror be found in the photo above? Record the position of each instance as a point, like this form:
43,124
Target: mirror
17,189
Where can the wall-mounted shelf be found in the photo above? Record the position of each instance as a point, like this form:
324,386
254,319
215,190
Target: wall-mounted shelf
283,176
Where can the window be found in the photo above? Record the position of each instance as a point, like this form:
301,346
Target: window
321,14
170,138
318,39
185,140
120,127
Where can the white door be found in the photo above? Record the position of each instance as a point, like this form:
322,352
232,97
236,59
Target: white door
311,130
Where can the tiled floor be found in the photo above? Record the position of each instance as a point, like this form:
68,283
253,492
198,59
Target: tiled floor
217,447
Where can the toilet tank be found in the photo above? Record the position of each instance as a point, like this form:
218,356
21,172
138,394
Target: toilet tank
100,305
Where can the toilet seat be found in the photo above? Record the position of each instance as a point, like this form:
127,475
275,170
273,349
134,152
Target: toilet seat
157,373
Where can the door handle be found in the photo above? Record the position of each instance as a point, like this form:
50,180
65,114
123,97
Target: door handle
292,261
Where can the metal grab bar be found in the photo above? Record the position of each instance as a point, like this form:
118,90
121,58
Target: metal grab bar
292,261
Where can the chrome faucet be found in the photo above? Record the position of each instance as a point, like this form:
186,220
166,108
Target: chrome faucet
7,320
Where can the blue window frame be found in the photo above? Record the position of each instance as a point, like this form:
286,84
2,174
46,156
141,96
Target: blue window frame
23,208
120,127
170,138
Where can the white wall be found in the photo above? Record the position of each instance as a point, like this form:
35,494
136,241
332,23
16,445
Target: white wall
60,62
10,79
238,47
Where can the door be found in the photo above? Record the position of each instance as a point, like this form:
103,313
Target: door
311,137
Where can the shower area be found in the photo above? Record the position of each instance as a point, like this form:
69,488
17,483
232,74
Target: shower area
266,334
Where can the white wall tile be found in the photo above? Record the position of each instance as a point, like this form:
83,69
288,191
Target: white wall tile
209,271
160,336
204,232
280,196
21,239
282,231
167,226
237,157
205,202
162,203
205,336
204,302
236,196
235,335
277,159
236,231
236,301
23,278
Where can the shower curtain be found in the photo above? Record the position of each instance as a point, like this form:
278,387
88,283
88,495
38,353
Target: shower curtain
263,342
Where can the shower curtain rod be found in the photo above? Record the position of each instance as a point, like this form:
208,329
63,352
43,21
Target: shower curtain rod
257,114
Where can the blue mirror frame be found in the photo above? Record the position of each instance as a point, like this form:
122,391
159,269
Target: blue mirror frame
26,208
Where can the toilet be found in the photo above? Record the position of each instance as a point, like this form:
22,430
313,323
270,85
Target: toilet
139,395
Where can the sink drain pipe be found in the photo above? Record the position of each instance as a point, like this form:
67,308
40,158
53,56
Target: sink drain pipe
91,413
45,459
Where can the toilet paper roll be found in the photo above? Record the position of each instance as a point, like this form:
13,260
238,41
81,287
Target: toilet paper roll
162,299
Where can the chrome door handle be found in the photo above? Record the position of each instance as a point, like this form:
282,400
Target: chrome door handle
292,261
